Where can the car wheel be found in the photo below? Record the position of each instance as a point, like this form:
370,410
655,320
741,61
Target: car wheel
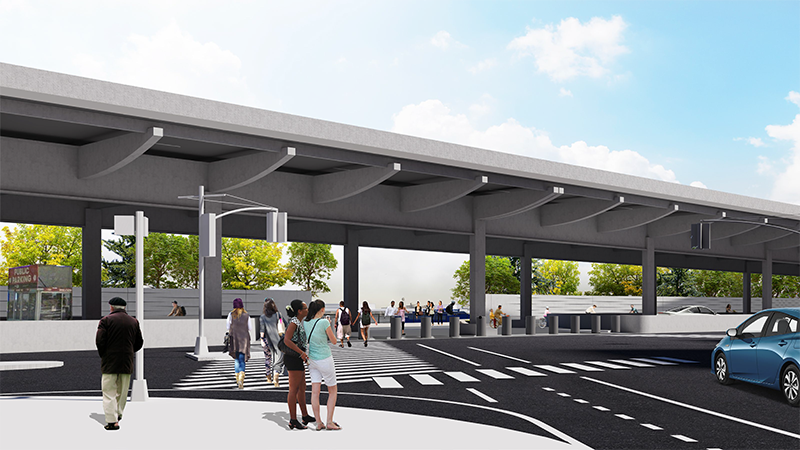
721,369
790,385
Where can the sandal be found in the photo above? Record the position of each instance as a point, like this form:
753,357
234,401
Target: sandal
293,423
111,426
335,426
308,419
321,426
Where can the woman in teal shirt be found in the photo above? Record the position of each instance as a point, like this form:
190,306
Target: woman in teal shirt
320,361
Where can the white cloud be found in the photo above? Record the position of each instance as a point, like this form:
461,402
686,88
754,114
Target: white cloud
764,165
483,107
564,93
483,65
755,142
444,41
794,97
698,184
787,184
432,119
574,49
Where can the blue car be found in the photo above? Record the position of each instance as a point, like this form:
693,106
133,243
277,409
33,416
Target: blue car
763,350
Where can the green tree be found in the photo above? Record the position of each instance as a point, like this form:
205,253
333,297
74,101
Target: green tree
185,271
499,279
539,282
563,276
615,279
311,265
783,286
714,283
25,245
121,273
252,264
676,282
170,261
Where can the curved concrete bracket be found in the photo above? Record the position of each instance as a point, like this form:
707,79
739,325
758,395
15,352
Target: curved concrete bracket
341,185
427,196
575,210
518,201
633,218
676,224
790,241
102,158
725,230
759,236
234,173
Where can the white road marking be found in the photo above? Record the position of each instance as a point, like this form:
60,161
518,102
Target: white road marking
631,363
526,372
495,374
697,408
684,361
426,380
500,355
553,368
607,365
601,408
651,426
452,356
548,389
387,383
624,417
462,377
564,394
482,395
683,438
655,361
582,367
580,400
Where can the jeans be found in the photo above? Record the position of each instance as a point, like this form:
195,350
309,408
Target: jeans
238,363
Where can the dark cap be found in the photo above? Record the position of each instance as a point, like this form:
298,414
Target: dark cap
237,303
117,301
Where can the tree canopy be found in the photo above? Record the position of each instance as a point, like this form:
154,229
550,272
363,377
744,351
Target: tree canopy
25,245
500,279
564,278
311,265
615,279
252,264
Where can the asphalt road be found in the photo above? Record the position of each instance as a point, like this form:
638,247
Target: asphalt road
510,382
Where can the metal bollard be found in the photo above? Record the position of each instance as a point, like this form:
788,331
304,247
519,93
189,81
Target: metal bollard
481,326
425,327
530,325
616,324
552,321
574,324
455,327
396,331
506,326
596,324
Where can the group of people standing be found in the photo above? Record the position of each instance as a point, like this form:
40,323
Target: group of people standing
419,311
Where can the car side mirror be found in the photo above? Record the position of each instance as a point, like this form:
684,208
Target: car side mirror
732,332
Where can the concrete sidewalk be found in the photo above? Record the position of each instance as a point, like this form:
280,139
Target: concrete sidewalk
173,423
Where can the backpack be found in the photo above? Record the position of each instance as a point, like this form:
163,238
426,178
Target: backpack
344,317
183,311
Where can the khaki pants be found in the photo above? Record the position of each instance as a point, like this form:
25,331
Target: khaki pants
115,395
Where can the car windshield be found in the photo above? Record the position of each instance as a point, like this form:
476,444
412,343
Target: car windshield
676,309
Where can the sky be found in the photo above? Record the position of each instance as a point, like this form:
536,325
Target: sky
702,93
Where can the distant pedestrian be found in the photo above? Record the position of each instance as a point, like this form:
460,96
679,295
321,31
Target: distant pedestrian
295,339
633,310
239,332
270,335
343,324
729,310
492,318
402,311
391,311
499,314
365,315
320,362
546,313
417,311
591,310
118,338
177,310
439,312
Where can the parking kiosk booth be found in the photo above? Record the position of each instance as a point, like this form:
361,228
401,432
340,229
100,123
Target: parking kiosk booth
40,292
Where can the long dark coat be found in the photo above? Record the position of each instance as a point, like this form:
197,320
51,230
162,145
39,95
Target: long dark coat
118,338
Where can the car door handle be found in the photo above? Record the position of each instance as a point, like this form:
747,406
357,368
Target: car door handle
782,342
753,345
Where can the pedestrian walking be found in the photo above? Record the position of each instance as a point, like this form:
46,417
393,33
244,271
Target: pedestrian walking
118,337
320,362
402,311
439,312
365,315
295,339
239,333
271,322
343,324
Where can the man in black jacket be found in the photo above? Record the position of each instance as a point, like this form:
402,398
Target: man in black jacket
118,338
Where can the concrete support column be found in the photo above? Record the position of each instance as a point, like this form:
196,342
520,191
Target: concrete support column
351,271
746,294
212,273
649,278
91,266
525,301
766,281
477,270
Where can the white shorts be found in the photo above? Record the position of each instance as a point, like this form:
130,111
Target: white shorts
322,369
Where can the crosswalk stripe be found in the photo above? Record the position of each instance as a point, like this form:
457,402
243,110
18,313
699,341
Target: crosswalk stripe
482,395
548,389
651,426
564,394
500,355
607,365
426,380
582,367
387,383
624,417
580,400
461,376
631,363
553,368
452,356
683,438
684,361
526,372
495,374
601,408
655,361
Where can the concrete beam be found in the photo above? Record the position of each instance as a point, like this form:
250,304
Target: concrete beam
233,173
722,230
507,204
619,220
675,224
341,185
575,210
427,196
790,241
104,157
759,236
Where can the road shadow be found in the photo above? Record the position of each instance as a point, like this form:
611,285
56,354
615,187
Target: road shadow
100,418
280,419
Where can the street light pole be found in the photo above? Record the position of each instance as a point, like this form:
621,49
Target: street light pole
201,346
140,393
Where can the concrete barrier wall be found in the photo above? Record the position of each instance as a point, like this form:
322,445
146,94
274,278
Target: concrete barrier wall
680,323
